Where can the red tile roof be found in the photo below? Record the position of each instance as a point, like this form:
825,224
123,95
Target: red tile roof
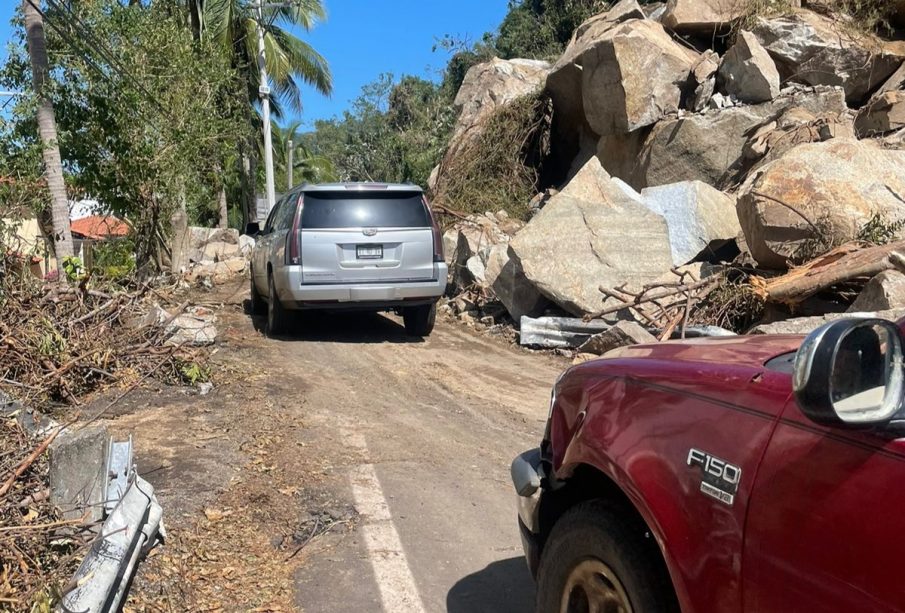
99,227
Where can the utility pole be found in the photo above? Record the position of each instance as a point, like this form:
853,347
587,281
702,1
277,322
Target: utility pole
47,128
289,162
264,93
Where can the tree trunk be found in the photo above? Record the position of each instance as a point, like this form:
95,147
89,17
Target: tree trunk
179,256
47,128
841,264
224,209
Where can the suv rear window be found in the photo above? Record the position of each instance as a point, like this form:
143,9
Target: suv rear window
345,210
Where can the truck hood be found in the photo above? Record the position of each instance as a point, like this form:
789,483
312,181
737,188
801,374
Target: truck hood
754,350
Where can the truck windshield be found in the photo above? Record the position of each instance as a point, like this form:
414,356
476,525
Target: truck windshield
368,210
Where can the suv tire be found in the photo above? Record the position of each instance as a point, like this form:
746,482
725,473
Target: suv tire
595,546
258,305
419,320
277,317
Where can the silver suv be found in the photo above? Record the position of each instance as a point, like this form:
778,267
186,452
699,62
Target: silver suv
361,246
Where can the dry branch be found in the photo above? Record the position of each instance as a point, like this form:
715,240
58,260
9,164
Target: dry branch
850,261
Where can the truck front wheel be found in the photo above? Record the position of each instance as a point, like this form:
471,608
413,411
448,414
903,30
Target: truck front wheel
598,559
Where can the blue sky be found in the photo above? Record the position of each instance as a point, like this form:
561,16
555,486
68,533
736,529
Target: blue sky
364,38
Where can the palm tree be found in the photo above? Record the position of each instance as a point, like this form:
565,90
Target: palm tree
290,61
307,167
47,128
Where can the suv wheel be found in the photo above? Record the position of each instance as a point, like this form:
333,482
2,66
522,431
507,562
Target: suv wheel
277,317
258,306
597,559
419,320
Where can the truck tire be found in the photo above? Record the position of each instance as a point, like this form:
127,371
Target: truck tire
419,320
277,317
599,559
258,306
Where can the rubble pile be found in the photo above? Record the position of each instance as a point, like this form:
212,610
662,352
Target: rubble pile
39,548
60,342
217,255
724,181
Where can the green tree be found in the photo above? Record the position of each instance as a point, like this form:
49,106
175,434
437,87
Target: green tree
290,61
306,166
542,28
144,130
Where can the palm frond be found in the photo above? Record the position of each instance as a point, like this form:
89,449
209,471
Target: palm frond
305,61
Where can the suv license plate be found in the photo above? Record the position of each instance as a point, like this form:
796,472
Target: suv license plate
369,252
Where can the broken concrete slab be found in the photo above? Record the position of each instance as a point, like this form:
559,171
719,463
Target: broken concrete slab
622,334
78,472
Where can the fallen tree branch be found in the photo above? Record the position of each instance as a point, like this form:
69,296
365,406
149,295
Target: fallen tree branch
23,466
844,263
643,298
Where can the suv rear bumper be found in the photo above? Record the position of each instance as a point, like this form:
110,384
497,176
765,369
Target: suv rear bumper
294,295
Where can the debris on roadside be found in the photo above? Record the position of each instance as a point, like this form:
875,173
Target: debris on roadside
217,255
39,547
58,343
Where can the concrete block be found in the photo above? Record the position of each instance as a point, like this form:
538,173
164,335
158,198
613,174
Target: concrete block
78,466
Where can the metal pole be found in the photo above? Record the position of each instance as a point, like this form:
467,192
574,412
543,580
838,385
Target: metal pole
264,93
289,162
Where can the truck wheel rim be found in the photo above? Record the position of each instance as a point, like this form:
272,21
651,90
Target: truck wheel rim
592,587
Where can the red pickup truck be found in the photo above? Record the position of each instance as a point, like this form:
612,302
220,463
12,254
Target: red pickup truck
750,473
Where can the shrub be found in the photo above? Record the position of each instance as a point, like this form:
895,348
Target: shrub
500,168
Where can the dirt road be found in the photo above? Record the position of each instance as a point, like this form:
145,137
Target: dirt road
345,468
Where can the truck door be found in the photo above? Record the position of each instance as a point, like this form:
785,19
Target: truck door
826,521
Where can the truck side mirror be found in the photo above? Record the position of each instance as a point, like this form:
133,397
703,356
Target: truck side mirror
253,229
849,374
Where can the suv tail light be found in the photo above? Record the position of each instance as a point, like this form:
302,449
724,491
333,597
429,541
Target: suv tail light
294,238
438,238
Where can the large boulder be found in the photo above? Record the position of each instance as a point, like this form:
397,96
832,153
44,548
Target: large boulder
589,235
565,80
819,194
709,146
700,218
885,113
817,50
489,86
633,76
506,278
748,72
883,292
702,16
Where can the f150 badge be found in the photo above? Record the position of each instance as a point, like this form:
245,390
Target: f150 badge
720,477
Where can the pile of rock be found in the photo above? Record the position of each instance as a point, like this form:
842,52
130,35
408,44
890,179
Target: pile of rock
217,255
786,141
